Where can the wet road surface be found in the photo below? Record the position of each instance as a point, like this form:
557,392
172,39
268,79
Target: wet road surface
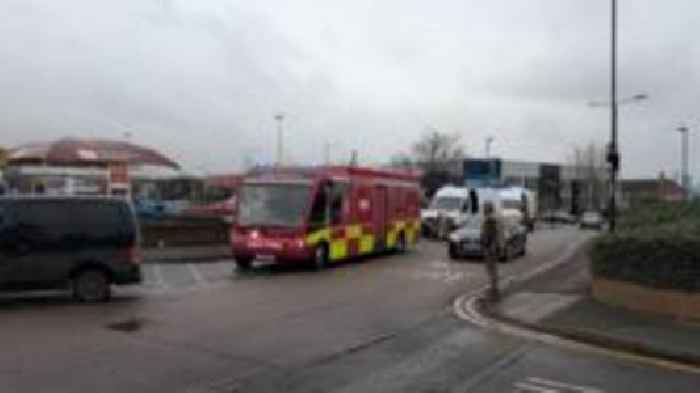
383,324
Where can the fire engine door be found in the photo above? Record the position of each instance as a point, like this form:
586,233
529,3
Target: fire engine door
379,215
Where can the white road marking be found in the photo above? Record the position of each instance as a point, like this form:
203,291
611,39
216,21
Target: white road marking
465,308
159,280
521,387
563,385
197,275
225,268
425,363
495,367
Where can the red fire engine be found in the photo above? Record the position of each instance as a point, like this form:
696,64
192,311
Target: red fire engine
324,214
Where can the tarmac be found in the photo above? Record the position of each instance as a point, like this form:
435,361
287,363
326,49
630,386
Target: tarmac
559,302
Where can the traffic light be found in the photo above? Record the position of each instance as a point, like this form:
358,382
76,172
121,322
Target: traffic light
613,158
575,194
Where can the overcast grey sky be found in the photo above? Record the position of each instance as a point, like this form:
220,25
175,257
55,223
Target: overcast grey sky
201,80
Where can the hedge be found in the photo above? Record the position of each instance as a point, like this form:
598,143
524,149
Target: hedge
657,245
656,259
653,215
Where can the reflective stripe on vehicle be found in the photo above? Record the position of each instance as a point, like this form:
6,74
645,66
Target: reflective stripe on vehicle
363,239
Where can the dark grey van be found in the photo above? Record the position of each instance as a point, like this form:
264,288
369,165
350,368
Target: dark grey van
82,243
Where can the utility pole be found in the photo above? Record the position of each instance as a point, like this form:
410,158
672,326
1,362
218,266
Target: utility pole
685,177
613,153
489,140
280,144
353,157
327,152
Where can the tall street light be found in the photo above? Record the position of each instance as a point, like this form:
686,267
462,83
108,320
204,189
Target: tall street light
685,177
279,118
489,140
613,155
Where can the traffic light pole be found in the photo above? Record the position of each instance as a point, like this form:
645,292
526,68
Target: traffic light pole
685,177
613,155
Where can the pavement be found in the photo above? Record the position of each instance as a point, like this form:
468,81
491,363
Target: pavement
384,324
559,302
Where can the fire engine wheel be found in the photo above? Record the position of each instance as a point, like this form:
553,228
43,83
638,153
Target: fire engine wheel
452,251
243,263
321,257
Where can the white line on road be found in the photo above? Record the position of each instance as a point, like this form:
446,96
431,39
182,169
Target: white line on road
197,275
465,308
526,387
159,280
522,387
563,385
495,367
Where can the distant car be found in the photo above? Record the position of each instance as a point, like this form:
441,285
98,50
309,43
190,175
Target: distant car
466,241
83,243
558,217
591,220
222,209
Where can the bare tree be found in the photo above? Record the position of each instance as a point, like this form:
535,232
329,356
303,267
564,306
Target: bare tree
438,155
435,149
589,161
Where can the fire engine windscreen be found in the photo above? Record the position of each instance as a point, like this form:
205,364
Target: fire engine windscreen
273,204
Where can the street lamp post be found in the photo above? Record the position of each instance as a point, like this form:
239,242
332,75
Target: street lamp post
685,177
613,154
489,140
279,118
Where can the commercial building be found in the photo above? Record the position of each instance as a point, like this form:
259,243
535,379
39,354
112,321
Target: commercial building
558,186
81,166
662,189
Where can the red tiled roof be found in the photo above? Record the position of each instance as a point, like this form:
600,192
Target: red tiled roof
71,151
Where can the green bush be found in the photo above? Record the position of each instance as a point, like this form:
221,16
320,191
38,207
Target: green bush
660,214
657,245
664,259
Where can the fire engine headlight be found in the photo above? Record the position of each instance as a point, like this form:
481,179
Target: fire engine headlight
299,243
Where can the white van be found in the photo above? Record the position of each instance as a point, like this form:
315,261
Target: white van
519,202
448,209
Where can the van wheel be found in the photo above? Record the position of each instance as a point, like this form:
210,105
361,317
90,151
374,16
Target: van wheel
452,251
243,263
401,246
92,285
321,257
523,250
